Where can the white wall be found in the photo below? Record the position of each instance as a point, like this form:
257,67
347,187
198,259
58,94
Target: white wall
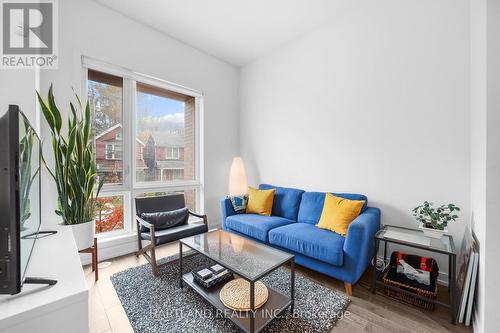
375,103
478,145
88,28
485,159
491,246
18,87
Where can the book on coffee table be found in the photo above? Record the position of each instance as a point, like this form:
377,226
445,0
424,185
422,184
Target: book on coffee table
204,274
250,261
217,268
212,278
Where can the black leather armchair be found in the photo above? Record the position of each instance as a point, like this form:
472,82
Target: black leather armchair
146,230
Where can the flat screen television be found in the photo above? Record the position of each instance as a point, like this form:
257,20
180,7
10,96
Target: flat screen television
20,162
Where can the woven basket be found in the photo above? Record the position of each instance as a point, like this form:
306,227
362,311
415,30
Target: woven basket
406,298
236,295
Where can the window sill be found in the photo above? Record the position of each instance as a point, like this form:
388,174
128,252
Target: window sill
122,237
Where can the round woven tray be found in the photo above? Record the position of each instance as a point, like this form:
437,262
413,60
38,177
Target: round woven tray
236,295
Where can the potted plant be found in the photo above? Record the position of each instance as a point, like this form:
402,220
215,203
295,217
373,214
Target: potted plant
28,171
434,221
74,169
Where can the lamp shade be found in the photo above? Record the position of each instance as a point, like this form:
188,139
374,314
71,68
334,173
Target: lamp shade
237,178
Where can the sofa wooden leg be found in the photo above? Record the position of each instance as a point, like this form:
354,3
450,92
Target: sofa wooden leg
348,288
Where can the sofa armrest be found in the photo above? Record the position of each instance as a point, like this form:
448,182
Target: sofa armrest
227,210
359,245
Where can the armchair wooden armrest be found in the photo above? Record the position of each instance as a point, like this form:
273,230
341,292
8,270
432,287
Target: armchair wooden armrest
204,217
143,223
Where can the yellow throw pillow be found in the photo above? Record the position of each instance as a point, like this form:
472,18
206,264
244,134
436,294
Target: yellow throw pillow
338,213
260,201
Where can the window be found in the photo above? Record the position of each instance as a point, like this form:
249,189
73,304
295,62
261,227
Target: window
173,153
172,174
109,214
165,122
105,95
146,134
113,151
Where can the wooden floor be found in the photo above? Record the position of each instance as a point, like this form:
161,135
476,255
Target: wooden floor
366,313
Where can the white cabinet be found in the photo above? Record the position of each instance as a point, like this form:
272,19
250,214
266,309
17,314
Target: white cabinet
62,307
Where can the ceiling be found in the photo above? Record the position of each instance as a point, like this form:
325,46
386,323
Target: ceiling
236,31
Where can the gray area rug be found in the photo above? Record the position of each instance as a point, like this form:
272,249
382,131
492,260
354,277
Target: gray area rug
159,305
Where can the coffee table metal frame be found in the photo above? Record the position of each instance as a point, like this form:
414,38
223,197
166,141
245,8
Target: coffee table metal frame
451,253
186,278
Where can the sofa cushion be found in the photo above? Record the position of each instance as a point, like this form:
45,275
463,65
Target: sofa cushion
239,202
286,201
165,220
338,213
176,233
255,226
260,201
312,203
307,239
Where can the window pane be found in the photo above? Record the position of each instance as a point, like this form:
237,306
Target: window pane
109,214
165,126
189,196
106,100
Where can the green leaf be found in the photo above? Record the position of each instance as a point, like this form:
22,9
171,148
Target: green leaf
74,169
47,113
88,121
55,110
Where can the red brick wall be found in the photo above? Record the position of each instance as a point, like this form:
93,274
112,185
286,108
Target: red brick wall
189,154
138,151
161,153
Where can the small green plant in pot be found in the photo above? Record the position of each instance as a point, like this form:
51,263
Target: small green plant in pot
74,169
434,220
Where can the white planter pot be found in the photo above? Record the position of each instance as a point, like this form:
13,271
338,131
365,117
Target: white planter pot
84,234
433,233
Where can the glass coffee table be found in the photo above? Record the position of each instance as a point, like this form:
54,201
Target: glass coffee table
249,260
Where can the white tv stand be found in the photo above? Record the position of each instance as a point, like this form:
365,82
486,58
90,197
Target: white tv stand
62,307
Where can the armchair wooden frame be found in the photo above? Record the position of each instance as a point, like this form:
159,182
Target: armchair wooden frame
151,247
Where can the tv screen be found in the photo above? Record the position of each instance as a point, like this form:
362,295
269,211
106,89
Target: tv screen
20,160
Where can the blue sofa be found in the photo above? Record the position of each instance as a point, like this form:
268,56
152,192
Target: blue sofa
291,228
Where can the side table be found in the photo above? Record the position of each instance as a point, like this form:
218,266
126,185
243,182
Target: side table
93,250
416,239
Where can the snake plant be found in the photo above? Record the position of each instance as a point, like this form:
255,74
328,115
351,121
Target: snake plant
27,170
74,169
